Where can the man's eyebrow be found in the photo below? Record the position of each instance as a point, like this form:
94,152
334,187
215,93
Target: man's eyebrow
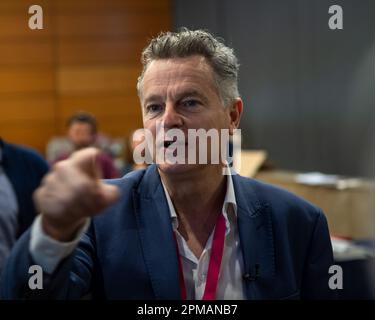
179,96
190,93
153,97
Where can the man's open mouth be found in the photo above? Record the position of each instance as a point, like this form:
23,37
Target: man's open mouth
168,143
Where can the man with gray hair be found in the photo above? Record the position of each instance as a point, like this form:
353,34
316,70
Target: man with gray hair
173,230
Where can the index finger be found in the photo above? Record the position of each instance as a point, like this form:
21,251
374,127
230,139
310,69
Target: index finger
87,161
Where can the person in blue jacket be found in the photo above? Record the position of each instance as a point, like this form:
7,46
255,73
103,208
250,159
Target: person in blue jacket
21,171
174,230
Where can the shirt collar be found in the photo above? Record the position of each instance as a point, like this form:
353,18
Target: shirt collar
229,200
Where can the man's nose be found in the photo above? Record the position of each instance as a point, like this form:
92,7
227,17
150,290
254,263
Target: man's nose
171,118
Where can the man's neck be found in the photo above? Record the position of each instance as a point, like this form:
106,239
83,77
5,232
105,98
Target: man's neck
198,199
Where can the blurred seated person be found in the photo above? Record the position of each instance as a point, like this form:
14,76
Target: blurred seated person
135,138
82,133
21,171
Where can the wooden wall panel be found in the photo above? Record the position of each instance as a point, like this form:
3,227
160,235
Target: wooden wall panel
26,80
116,114
98,79
28,120
87,57
21,6
121,50
15,26
27,108
28,53
112,24
34,133
84,6
110,105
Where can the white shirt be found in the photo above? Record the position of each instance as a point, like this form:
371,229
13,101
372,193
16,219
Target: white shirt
48,252
230,286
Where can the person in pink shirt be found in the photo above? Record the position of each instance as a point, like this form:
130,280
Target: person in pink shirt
82,132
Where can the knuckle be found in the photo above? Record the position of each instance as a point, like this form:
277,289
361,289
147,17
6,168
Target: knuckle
61,165
48,179
57,166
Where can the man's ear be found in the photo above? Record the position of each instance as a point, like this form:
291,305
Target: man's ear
235,112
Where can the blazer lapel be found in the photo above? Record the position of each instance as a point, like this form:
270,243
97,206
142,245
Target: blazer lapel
156,235
256,239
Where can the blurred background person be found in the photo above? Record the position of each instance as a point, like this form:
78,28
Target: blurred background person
82,133
135,138
21,171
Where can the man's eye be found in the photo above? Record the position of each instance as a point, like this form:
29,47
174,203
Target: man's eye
190,103
154,108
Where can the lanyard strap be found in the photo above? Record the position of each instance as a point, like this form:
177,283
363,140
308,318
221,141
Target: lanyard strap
213,265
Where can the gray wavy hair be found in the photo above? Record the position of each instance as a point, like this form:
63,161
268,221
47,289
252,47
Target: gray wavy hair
185,43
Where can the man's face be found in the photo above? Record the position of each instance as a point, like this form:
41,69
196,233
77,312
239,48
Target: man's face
181,93
81,135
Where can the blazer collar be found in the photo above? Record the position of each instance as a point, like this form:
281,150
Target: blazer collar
256,237
156,235
159,248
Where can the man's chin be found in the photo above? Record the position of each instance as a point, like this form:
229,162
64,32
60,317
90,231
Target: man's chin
175,168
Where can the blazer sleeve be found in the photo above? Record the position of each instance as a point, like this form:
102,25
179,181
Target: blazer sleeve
71,280
319,259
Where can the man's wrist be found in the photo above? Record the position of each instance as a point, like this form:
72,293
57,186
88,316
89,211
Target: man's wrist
58,233
47,251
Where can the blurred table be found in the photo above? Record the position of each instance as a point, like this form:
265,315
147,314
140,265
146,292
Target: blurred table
350,212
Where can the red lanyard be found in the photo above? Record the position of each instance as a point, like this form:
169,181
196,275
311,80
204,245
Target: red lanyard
214,263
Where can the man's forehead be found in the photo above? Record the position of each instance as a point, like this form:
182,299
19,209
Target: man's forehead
191,73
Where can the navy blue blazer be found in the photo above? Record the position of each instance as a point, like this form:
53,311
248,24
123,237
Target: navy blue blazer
129,252
25,169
